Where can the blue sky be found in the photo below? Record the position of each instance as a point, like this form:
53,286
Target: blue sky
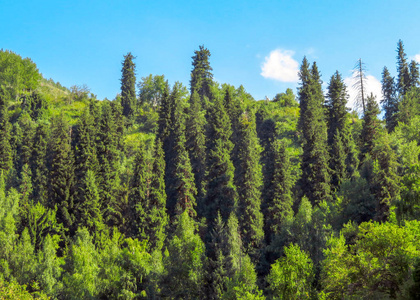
83,42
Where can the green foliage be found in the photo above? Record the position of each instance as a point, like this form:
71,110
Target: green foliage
315,180
286,99
17,74
291,276
185,261
128,85
377,264
151,90
390,100
60,181
201,76
195,144
81,277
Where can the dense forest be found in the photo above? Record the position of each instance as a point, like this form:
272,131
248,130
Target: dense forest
202,192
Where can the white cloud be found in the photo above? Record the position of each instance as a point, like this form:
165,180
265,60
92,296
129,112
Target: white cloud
373,86
417,58
281,66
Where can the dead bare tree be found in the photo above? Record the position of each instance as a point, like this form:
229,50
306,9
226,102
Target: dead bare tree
359,85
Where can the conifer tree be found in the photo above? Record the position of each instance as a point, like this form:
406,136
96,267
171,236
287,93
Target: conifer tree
340,140
128,85
61,173
88,209
248,181
5,130
403,79
234,110
25,143
336,105
84,152
303,92
371,126
221,191
157,217
179,177
106,145
195,144
39,164
201,76
338,160
315,179
385,182
138,198
414,74
215,279
279,201
390,100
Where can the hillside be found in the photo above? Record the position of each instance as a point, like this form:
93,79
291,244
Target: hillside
201,192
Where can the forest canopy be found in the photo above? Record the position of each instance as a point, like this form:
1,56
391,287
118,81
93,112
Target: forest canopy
199,191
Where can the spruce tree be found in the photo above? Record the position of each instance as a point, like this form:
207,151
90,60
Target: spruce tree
248,180
39,164
157,217
403,79
181,188
279,201
303,92
5,130
201,76
390,100
414,74
385,182
84,152
61,172
315,180
195,144
340,140
128,85
221,191
336,105
88,209
215,280
138,198
371,127
338,160
106,147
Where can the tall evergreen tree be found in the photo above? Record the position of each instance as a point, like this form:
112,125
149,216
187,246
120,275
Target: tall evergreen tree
106,144
221,191
303,92
343,160
201,76
84,152
157,217
371,127
403,79
128,85
138,198
336,105
195,144
39,164
88,209
61,173
248,180
414,74
279,200
315,180
5,130
385,182
179,177
390,100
